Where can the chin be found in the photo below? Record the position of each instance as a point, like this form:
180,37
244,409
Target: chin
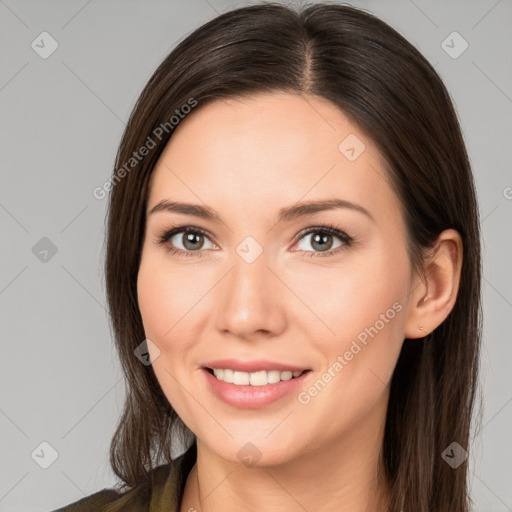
257,451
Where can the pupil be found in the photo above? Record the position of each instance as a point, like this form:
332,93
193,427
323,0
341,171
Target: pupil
321,240
191,238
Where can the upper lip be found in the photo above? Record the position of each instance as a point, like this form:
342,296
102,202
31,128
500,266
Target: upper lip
252,366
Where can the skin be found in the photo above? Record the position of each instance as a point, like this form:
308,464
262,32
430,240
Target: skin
247,158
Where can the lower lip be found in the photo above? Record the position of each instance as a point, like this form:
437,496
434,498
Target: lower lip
253,397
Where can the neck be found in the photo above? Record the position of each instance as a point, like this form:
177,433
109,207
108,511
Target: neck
341,476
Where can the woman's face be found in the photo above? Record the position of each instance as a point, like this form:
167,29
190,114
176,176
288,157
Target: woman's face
258,288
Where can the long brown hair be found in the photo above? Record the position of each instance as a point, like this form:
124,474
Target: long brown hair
392,93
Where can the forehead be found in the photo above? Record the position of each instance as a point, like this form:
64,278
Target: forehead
272,148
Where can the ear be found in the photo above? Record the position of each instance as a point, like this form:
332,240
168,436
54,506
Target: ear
433,295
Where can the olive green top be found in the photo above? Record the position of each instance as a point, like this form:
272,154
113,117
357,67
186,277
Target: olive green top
158,494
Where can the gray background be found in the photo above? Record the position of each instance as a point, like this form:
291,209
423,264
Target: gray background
61,120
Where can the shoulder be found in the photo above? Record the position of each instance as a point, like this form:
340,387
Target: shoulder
159,492
97,501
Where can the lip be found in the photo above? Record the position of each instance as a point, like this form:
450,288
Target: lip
252,366
253,397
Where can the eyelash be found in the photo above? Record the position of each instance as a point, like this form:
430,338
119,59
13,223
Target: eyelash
324,229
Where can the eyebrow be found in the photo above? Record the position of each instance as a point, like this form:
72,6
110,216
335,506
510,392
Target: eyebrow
286,214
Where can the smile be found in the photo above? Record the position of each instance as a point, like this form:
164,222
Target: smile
260,378
254,384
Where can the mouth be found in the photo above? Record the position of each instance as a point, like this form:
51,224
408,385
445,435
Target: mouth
259,378
251,385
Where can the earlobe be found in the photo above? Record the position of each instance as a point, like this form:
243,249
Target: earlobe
433,298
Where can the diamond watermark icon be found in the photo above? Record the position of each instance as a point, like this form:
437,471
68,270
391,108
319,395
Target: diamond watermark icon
351,147
454,455
249,250
44,250
454,45
249,454
44,455
44,45
147,352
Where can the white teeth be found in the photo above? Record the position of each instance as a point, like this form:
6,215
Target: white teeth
228,376
241,378
273,376
260,378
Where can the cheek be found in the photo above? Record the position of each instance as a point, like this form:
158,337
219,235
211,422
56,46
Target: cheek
164,309
363,304
351,296
153,300
165,296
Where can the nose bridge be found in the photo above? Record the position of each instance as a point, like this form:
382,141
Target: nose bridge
249,298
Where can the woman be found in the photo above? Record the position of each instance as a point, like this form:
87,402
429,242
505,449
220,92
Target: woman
293,274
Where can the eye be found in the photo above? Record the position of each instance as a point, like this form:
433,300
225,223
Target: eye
185,241
188,241
323,241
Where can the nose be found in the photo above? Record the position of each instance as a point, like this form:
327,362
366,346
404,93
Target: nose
250,300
